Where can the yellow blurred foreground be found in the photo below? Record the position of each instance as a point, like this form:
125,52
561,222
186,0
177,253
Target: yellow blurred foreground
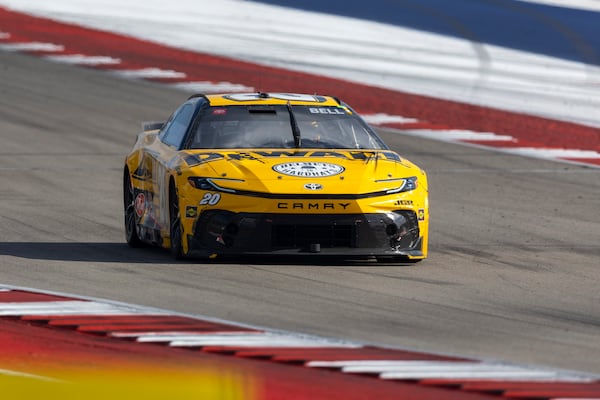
125,385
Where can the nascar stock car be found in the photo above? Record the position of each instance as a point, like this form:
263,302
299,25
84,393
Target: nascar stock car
273,173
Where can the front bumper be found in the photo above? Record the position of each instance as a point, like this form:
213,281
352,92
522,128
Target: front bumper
220,232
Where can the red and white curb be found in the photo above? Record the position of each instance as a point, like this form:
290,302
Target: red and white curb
504,143
58,53
119,321
408,114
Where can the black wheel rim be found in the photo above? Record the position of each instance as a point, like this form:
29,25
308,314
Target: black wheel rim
175,225
130,221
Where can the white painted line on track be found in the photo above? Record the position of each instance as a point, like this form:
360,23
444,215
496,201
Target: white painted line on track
160,336
439,366
480,375
592,5
64,308
575,398
212,87
380,118
266,341
32,46
466,137
555,153
81,59
416,369
137,309
379,363
243,339
149,73
232,338
455,135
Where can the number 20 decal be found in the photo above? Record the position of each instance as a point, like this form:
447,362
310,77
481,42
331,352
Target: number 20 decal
210,198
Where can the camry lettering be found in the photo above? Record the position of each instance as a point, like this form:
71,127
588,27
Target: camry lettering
312,206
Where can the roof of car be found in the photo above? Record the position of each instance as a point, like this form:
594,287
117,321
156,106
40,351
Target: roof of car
241,99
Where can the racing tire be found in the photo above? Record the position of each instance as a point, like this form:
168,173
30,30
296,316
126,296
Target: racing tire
131,235
175,224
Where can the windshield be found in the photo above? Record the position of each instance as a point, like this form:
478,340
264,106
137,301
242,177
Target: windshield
235,127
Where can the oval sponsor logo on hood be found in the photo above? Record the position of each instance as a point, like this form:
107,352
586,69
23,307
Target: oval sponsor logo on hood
308,169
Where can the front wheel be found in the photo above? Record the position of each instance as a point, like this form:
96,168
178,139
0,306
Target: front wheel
131,235
175,224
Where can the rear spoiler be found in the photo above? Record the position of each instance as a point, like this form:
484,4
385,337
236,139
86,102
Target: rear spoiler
152,126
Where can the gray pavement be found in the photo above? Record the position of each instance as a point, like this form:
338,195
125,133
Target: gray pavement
513,273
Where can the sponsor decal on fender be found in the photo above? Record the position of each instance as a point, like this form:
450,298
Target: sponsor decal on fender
140,204
191,212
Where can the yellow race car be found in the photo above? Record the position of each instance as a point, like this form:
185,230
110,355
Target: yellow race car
273,173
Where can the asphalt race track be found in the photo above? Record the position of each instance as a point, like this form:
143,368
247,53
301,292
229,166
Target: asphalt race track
515,242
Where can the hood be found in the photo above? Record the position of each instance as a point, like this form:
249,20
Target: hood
302,171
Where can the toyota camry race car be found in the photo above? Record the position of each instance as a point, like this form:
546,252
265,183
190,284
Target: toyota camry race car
272,173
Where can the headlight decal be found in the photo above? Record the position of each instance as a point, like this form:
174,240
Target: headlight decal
407,185
208,184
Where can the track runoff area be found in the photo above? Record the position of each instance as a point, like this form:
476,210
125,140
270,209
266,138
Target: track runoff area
57,346
60,346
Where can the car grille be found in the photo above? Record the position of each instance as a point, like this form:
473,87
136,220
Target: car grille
296,235
220,230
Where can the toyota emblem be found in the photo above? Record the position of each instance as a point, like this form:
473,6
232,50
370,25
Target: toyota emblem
313,186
